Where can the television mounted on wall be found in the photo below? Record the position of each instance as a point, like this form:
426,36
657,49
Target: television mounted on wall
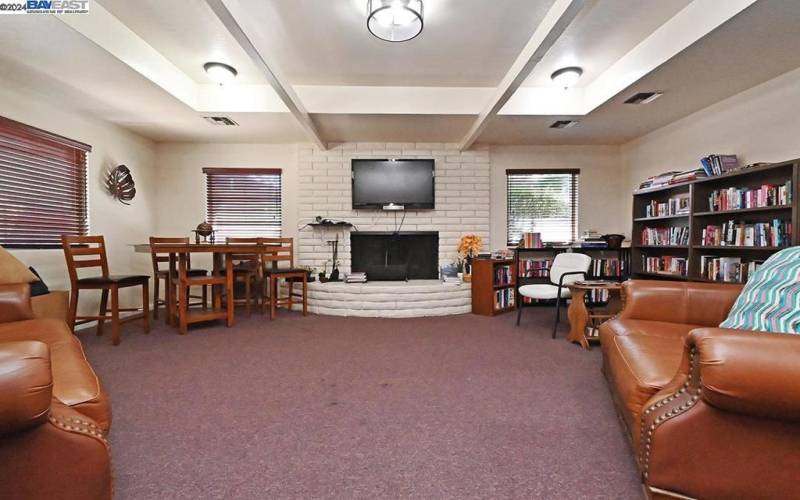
393,184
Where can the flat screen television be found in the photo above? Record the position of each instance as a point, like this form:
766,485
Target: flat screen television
393,184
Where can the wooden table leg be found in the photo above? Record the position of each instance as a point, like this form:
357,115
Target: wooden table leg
229,288
578,318
183,299
216,290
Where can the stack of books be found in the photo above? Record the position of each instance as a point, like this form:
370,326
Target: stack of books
677,205
688,175
591,239
659,180
358,277
531,240
778,233
719,164
768,195
504,299
728,269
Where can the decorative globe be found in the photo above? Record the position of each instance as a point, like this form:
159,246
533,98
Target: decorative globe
204,229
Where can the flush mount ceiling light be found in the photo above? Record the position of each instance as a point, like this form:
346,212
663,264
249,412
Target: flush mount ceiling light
394,20
567,77
220,73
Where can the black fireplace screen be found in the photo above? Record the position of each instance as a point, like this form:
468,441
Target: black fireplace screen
387,256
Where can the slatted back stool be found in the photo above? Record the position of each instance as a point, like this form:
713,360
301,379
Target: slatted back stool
86,252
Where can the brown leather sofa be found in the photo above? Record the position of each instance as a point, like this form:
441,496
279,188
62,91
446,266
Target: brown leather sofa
711,413
54,414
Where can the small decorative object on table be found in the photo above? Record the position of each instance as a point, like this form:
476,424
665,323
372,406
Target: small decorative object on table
205,230
468,248
120,185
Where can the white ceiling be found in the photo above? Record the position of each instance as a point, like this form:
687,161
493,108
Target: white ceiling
325,51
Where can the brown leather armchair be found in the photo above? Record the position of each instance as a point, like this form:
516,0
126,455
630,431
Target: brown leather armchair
54,415
711,413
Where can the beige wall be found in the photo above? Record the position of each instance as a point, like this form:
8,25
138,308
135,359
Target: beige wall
760,125
181,205
601,193
121,225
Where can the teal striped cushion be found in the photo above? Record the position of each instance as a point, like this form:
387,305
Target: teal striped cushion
770,301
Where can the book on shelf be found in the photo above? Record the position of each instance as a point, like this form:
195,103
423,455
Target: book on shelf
534,267
504,298
503,275
665,236
719,164
777,233
665,264
688,175
768,195
727,269
672,177
677,205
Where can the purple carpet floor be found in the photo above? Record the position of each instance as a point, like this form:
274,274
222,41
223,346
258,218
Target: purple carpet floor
325,407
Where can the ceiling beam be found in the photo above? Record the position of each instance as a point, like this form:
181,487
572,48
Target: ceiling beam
279,84
550,29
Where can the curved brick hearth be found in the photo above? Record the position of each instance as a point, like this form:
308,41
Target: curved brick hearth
392,299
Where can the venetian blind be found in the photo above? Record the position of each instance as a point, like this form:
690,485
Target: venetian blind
242,202
42,187
543,201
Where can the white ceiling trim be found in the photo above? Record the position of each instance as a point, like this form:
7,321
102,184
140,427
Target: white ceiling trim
552,26
279,85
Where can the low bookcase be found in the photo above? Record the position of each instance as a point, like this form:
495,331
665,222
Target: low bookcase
494,284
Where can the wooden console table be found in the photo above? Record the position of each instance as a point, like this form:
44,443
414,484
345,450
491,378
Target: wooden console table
580,316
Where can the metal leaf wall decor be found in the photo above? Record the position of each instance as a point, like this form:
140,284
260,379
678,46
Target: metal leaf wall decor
120,185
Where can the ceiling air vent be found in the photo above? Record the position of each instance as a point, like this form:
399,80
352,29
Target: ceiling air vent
220,120
643,97
564,124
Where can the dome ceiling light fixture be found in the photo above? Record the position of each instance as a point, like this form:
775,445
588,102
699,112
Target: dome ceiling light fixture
567,77
220,73
394,20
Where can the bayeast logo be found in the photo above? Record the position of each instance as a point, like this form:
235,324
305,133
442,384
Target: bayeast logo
45,7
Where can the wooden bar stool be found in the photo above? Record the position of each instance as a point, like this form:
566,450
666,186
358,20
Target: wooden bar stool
80,252
283,251
246,270
170,290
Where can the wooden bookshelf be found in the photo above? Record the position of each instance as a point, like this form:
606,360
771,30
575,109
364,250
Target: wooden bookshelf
700,216
486,286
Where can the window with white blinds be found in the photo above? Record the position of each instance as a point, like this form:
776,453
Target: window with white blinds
42,187
543,201
242,202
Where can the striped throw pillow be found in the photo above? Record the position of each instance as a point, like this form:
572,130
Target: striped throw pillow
770,301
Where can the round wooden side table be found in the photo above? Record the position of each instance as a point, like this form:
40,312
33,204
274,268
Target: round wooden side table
580,316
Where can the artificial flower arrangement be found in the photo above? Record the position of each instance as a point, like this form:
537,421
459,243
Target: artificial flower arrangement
468,248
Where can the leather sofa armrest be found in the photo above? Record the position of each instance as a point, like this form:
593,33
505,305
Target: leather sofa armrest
54,305
26,385
750,373
703,304
15,302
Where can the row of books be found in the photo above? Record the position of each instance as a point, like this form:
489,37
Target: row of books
607,267
666,264
504,298
767,195
665,236
534,268
719,164
531,240
503,275
677,205
777,233
728,269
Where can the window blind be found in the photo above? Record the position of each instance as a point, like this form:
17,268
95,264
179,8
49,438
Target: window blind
242,202
543,201
42,187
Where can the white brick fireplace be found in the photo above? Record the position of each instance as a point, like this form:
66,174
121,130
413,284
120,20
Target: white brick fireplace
462,198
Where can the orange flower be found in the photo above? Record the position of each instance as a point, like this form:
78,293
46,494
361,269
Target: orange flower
470,245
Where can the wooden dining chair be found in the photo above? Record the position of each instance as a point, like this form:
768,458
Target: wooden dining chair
83,252
246,270
170,290
274,272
